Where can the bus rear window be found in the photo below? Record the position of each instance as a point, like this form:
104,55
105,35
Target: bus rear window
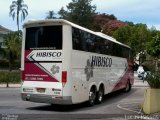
45,37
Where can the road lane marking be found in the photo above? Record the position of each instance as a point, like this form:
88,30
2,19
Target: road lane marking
125,106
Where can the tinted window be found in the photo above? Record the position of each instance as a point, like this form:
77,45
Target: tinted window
76,37
88,42
47,37
83,41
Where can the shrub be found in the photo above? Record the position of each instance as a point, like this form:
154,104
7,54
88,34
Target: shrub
4,64
153,79
9,77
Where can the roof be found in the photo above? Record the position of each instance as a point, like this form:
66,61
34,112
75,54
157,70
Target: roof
62,21
4,30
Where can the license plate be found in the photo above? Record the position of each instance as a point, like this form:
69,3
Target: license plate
41,90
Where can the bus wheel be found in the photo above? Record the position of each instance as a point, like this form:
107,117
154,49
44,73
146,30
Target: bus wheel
92,97
100,95
128,87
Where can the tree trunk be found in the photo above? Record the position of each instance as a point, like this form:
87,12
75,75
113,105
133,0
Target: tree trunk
10,61
156,65
7,85
18,20
18,23
10,66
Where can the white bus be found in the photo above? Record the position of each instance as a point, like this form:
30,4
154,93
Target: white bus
64,63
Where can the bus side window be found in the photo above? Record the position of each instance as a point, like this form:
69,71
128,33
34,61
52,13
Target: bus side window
76,39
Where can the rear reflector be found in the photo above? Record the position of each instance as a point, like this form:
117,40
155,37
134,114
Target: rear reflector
22,75
64,76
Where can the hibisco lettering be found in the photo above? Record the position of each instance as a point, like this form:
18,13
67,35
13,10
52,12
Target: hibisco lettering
97,61
48,54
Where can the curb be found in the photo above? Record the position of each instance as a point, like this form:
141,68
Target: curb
10,86
140,86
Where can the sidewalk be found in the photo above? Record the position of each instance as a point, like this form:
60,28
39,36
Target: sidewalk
140,83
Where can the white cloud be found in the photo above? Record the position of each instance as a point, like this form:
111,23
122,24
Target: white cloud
144,11
138,11
45,5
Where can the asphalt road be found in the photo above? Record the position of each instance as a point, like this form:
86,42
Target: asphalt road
118,105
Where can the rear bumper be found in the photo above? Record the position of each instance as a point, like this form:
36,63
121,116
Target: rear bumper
40,98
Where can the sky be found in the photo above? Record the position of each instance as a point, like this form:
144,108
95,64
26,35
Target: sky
136,11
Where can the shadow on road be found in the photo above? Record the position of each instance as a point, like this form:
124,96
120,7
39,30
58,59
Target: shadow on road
108,99
59,108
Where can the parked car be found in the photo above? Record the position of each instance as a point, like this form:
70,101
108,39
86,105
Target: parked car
141,73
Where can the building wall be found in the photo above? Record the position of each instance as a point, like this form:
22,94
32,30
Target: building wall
2,45
3,32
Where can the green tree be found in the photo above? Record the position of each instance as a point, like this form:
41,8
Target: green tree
153,49
129,23
80,12
142,35
9,77
123,34
126,35
153,31
13,44
17,9
62,13
136,36
50,15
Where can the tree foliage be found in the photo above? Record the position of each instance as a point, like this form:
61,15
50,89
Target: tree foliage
153,80
112,25
63,13
50,15
18,9
136,36
100,20
13,44
9,77
83,13
80,12
153,31
153,47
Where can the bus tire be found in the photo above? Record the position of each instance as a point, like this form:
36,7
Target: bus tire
128,87
92,97
100,95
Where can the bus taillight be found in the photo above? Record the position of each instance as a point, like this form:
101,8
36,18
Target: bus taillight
64,77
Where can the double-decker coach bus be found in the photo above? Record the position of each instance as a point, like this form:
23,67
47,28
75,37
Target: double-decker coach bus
64,63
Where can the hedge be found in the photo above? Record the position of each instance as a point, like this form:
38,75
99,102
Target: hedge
9,77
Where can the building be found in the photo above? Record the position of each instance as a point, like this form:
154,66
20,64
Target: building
3,32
